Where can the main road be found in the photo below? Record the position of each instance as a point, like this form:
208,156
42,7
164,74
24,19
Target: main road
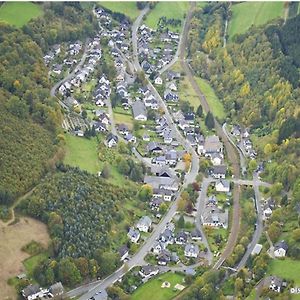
138,258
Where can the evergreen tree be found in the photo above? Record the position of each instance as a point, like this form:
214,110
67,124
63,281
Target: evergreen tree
209,121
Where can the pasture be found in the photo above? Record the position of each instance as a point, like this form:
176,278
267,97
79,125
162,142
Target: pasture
82,153
170,10
19,13
127,8
246,14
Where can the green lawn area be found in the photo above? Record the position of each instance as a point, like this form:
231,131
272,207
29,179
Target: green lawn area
170,10
287,268
127,8
153,290
123,118
253,13
19,13
215,104
31,262
82,153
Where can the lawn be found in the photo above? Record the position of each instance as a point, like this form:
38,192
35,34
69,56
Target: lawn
127,8
153,290
19,13
170,10
31,262
121,118
253,13
82,153
287,268
215,104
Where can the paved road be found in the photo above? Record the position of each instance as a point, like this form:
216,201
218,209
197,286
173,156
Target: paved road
71,75
200,207
259,223
230,150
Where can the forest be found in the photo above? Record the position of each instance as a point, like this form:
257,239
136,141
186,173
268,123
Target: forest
257,79
29,118
80,210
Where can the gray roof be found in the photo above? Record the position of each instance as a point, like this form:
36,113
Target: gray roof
56,288
282,244
146,270
30,290
157,182
139,108
219,169
192,248
132,233
145,220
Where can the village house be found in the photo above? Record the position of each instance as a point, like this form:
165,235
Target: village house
158,80
56,289
219,172
196,235
212,144
158,247
144,224
139,111
123,252
167,183
268,208
148,271
280,249
134,235
154,147
166,195
191,251
111,140
164,258
222,186
181,238
273,283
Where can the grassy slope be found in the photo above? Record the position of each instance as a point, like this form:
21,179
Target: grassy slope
82,153
287,269
19,13
171,10
213,101
253,13
127,8
31,262
153,290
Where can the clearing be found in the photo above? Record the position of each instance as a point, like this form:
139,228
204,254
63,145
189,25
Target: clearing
127,8
170,10
153,290
82,152
123,118
286,268
215,104
19,13
11,256
246,14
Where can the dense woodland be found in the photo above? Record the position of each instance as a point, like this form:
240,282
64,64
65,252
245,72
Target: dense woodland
29,118
80,210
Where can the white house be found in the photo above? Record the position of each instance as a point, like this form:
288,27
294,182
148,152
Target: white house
123,252
133,235
223,186
280,249
158,80
148,271
144,224
111,140
191,251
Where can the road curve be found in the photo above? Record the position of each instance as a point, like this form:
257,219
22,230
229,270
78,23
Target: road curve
230,150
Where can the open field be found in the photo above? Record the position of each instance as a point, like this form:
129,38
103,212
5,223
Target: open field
121,118
170,10
253,13
127,8
212,99
153,290
286,268
19,13
31,262
11,256
82,153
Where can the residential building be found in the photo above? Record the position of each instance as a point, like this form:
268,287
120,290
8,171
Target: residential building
191,250
144,224
134,235
139,111
280,249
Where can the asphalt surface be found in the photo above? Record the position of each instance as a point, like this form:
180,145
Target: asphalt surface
71,75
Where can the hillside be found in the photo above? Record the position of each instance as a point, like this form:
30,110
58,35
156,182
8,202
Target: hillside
19,13
246,14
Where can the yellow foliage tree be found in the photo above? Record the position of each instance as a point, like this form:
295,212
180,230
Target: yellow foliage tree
245,89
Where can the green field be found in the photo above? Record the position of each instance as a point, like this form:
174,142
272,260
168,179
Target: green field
19,13
127,8
82,153
215,104
170,10
123,118
287,269
253,13
31,262
153,290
